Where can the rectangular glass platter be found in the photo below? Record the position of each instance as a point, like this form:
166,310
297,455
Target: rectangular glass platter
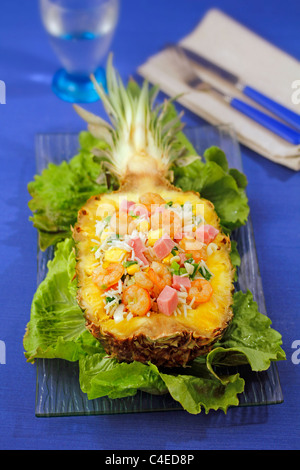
57,390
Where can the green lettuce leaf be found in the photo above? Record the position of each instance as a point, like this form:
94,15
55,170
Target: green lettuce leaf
209,393
60,191
57,327
249,338
235,258
234,254
101,376
214,181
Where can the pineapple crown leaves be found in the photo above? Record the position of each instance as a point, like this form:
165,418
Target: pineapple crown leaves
138,127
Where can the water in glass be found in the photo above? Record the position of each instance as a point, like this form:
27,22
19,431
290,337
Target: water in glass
80,32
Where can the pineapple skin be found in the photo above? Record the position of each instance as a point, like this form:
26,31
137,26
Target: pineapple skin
164,341
173,351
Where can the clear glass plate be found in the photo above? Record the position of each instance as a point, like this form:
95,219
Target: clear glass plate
58,392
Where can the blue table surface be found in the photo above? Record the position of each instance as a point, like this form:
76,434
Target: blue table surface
27,64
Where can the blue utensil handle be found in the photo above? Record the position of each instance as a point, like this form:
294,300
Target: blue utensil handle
268,122
281,111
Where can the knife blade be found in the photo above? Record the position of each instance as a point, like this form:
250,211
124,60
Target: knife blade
268,103
184,68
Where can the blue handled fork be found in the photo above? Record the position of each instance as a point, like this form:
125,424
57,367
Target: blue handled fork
194,81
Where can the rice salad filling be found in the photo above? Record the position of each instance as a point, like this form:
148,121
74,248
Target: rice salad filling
153,260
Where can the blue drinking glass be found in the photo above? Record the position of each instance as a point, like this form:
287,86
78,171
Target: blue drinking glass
80,32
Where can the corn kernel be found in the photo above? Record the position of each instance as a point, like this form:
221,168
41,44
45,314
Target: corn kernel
134,268
105,264
115,255
168,258
143,226
154,235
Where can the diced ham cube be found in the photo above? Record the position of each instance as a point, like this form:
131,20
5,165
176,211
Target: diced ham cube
137,244
178,236
206,233
183,258
163,246
180,281
143,258
125,205
167,300
138,248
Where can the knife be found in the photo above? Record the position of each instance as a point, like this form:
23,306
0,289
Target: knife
276,108
186,71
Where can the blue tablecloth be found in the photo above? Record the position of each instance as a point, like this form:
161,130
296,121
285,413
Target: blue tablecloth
27,64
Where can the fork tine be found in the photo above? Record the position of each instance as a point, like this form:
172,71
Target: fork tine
184,69
182,65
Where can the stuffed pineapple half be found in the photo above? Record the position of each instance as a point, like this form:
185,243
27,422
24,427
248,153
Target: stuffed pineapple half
154,274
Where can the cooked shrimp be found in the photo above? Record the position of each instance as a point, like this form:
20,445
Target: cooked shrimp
196,248
140,210
151,201
137,300
143,280
107,277
160,276
168,220
201,291
199,255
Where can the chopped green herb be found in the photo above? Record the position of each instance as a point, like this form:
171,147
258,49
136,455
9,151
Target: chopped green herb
202,270
182,271
169,204
205,273
174,251
126,264
109,299
133,215
196,266
175,268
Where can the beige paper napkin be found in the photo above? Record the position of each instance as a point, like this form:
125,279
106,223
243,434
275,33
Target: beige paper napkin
257,63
